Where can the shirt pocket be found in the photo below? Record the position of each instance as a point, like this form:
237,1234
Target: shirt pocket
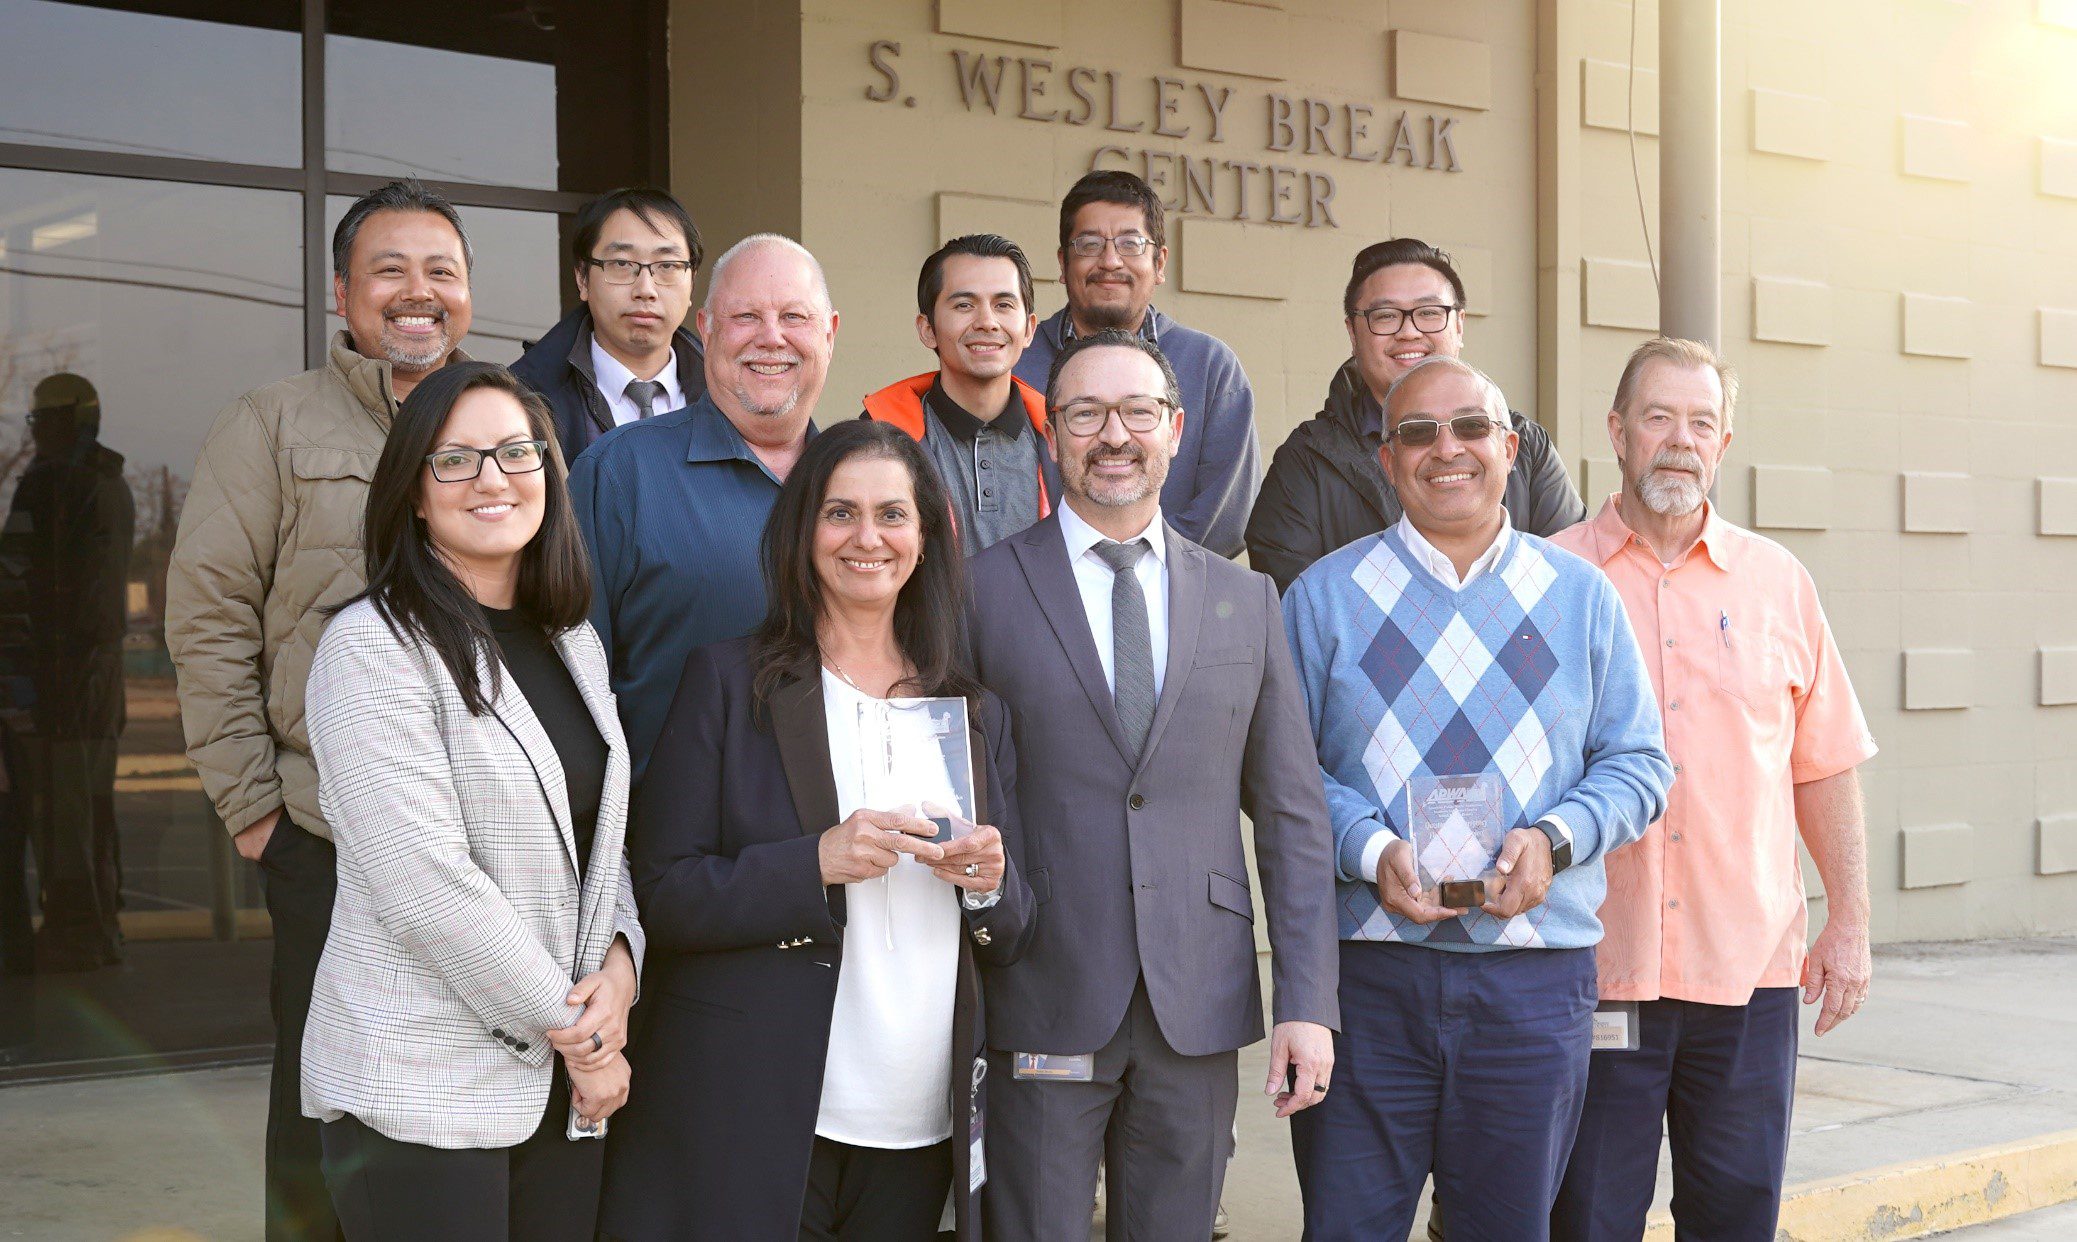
1751,670
331,495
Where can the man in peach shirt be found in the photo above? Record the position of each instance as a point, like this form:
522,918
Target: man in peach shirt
1705,914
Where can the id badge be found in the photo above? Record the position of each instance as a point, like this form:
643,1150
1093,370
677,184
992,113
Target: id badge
1054,1067
977,1158
579,1128
1615,1026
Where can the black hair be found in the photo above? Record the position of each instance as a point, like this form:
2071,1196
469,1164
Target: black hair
931,282
413,589
1115,338
1392,253
652,207
929,612
408,194
1109,185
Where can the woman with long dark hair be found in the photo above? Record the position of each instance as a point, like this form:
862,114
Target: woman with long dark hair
471,1006
811,1055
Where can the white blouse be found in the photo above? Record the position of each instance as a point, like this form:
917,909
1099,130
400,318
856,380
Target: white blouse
887,1083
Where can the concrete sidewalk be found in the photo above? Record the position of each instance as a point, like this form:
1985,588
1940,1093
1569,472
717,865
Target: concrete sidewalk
1960,1048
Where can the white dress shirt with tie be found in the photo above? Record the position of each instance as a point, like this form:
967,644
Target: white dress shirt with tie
1094,579
613,379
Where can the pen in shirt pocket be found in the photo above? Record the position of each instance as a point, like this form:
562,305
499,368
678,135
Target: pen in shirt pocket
1723,628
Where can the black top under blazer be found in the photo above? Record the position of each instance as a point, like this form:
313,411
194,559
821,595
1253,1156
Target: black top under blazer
745,947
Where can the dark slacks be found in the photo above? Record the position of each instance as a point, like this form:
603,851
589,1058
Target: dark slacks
1472,1064
1160,1122
300,871
874,1194
1722,1079
545,1189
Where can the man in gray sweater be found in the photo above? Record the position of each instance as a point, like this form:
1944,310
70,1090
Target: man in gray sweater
1112,255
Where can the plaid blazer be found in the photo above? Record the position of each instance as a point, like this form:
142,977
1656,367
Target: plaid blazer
459,925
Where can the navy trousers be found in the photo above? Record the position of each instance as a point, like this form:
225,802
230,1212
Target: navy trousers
1721,1078
1472,1064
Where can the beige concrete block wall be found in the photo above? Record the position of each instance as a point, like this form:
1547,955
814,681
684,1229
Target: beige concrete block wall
882,182
1900,240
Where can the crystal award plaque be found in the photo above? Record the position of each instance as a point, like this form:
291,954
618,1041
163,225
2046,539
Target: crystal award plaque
1457,834
914,753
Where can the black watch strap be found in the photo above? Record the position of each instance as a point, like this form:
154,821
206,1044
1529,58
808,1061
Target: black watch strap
1561,849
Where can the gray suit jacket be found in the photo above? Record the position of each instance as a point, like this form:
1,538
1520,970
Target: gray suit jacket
459,924
1138,864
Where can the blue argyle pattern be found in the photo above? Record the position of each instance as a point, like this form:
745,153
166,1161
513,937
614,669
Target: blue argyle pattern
1530,672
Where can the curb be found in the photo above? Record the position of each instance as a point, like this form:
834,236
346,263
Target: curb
1922,1197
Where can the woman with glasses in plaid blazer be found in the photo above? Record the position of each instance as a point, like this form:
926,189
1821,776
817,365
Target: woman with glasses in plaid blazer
466,1029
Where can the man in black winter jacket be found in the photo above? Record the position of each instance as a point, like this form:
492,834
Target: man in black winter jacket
1325,487
623,352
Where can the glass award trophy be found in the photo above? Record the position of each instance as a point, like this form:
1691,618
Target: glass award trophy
914,753
1457,834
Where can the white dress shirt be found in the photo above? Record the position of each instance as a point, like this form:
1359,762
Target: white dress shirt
1432,559
613,380
890,1034
1094,578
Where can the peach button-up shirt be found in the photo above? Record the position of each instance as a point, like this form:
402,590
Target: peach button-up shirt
1709,903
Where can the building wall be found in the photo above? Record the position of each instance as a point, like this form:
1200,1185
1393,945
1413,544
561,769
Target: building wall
1899,291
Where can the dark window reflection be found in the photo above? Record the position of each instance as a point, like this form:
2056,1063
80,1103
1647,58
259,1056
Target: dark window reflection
131,313
75,75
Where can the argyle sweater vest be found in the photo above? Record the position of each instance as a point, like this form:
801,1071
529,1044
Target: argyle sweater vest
1530,672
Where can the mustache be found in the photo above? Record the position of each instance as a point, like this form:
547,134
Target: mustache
1106,453
1676,459
433,310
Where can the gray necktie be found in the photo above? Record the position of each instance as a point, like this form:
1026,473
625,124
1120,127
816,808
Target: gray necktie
644,394
1132,645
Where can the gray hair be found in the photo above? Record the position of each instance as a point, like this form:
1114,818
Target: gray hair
409,194
760,241
1116,338
1681,353
1496,401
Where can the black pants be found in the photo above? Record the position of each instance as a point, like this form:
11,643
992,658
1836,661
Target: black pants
873,1194
301,875
545,1189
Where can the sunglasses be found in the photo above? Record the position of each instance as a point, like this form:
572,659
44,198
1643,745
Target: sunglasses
1422,432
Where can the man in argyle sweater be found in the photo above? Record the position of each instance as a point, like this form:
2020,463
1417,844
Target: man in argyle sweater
1450,644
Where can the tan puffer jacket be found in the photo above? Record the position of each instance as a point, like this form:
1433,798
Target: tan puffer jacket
270,534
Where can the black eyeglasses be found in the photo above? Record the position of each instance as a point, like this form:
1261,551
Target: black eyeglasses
668,273
459,465
1422,432
1089,245
1385,320
1142,414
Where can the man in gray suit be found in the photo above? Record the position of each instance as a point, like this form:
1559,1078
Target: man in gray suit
1154,699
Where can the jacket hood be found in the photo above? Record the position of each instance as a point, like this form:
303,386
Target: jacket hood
1347,398
901,403
1054,326
368,379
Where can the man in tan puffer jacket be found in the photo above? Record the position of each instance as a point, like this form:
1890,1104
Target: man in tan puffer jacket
270,535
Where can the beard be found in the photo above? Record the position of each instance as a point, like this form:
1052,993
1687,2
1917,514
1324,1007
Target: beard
1101,316
1114,493
413,354
1673,495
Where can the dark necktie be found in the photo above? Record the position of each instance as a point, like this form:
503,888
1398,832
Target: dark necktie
1132,644
644,394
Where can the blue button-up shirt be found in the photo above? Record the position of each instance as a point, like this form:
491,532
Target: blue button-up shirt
673,509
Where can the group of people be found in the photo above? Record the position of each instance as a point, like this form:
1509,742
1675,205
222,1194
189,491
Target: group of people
549,701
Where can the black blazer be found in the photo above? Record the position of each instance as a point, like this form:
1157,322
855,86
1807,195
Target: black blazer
745,943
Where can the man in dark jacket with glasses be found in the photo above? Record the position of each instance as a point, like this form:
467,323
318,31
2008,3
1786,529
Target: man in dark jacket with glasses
623,352
1325,488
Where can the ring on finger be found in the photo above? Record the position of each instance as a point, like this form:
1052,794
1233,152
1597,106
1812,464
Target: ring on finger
972,869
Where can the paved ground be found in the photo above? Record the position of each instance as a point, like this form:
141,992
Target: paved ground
1960,1046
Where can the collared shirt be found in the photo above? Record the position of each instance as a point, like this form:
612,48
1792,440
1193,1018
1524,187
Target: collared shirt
1094,578
1435,562
613,378
1709,904
671,509
992,468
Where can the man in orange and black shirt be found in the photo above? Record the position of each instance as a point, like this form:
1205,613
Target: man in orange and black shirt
983,428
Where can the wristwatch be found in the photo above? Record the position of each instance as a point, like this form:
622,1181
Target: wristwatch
1561,848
